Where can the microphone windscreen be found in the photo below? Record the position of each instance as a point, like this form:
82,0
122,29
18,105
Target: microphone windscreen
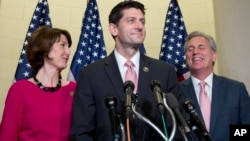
110,101
172,101
188,105
155,83
130,84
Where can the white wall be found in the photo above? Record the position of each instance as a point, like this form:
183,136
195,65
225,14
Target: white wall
232,24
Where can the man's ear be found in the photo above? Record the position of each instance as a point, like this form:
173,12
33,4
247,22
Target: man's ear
113,29
214,57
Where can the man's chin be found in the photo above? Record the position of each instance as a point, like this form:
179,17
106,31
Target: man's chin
137,45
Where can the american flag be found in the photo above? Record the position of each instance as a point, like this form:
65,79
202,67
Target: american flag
91,46
173,39
40,18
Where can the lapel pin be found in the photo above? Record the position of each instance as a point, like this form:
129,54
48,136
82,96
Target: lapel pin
145,69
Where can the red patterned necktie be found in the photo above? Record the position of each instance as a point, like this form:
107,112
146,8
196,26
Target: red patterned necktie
131,74
205,105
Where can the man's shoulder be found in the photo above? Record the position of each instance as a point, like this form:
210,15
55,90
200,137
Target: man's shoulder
156,61
226,80
99,62
186,81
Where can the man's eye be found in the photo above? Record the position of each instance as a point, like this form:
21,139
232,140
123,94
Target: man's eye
130,21
191,48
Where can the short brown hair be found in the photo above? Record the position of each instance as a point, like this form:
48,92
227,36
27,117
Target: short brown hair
40,44
117,12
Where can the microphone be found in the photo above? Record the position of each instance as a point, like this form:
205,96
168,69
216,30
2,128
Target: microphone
189,107
128,88
156,88
174,105
111,103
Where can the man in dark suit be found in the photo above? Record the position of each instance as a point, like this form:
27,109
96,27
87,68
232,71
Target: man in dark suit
229,99
90,120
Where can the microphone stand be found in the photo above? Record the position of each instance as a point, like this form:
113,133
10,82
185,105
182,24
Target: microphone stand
122,128
148,122
173,131
116,135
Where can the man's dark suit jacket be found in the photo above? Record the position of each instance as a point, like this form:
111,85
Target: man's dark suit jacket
90,121
230,105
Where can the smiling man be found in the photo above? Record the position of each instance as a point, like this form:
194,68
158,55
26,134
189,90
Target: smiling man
220,101
106,77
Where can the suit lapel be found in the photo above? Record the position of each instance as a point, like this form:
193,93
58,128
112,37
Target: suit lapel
190,93
217,102
113,73
144,76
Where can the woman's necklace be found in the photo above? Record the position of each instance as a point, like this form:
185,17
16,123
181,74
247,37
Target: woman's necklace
48,89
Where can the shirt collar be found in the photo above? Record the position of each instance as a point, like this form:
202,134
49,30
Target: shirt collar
208,80
122,60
